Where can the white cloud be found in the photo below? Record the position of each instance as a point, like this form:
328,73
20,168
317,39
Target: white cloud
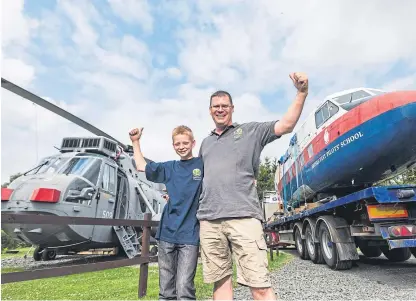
30,132
134,47
115,62
133,11
81,15
403,83
174,72
16,28
256,44
17,71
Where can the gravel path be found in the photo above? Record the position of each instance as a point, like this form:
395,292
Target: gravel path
372,279
29,263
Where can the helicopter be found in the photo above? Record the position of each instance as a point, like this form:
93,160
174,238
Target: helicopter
89,177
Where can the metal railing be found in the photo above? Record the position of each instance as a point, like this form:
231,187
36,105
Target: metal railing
144,259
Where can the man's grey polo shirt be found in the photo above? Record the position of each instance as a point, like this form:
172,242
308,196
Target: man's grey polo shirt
231,163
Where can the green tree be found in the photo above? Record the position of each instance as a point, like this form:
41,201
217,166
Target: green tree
265,178
408,177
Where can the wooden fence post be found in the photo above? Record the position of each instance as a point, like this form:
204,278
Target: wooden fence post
144,267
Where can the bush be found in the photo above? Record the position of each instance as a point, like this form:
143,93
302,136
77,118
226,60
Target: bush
8,242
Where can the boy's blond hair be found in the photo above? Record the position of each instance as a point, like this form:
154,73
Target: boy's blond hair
182,130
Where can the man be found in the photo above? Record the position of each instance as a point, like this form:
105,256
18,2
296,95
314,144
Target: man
178,231
229,212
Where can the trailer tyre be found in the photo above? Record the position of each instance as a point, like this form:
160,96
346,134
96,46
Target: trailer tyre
154,251
413,251
329,250
300,245
370,251
314,250
396,255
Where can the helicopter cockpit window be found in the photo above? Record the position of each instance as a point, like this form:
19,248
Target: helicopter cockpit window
109,178
49,165
93,171
86,167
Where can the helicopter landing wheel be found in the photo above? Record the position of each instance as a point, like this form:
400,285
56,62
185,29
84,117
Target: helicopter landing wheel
48,255
37,254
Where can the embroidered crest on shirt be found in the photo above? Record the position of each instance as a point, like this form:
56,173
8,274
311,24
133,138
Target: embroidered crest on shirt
196,174
238,133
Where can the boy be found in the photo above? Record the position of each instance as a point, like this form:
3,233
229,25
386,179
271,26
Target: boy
178,232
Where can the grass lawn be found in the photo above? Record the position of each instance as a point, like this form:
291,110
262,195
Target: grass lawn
114,284
22,252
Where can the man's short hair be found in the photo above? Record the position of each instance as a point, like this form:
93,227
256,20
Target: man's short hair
220,93
182,130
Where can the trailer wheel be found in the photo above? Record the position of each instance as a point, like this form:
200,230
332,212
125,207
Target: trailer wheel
370,251
396,255
413,251
314,251
154,251
329,250
300,245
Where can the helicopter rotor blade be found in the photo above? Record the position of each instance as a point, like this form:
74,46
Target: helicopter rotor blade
55,109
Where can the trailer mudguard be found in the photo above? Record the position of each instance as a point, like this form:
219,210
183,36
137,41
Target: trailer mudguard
340,235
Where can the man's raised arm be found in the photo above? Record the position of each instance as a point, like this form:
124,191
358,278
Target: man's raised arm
135,135
289,120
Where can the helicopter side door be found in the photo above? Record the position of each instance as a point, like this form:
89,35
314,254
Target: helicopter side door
106,201
122,205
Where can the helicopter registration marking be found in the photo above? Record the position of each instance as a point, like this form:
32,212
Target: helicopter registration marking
107,214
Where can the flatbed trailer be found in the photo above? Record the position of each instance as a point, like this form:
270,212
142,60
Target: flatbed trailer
379,219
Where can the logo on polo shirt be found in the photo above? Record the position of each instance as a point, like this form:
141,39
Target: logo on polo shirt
238,133
196,174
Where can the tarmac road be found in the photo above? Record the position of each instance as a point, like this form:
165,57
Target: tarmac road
382,271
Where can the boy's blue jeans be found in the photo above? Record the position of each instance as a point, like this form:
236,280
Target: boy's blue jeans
177,268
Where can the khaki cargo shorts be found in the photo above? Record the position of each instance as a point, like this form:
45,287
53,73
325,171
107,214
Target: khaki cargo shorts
243,237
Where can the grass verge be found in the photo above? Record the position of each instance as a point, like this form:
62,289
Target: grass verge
22,253
114,284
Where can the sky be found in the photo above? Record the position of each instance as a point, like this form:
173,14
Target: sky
154,64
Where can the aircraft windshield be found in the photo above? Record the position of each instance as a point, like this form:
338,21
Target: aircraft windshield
351,100
376,92
86,167
49,165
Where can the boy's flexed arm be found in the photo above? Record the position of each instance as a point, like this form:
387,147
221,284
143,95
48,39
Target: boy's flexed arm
135,135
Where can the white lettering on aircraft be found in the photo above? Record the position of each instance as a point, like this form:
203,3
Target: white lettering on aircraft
337,147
